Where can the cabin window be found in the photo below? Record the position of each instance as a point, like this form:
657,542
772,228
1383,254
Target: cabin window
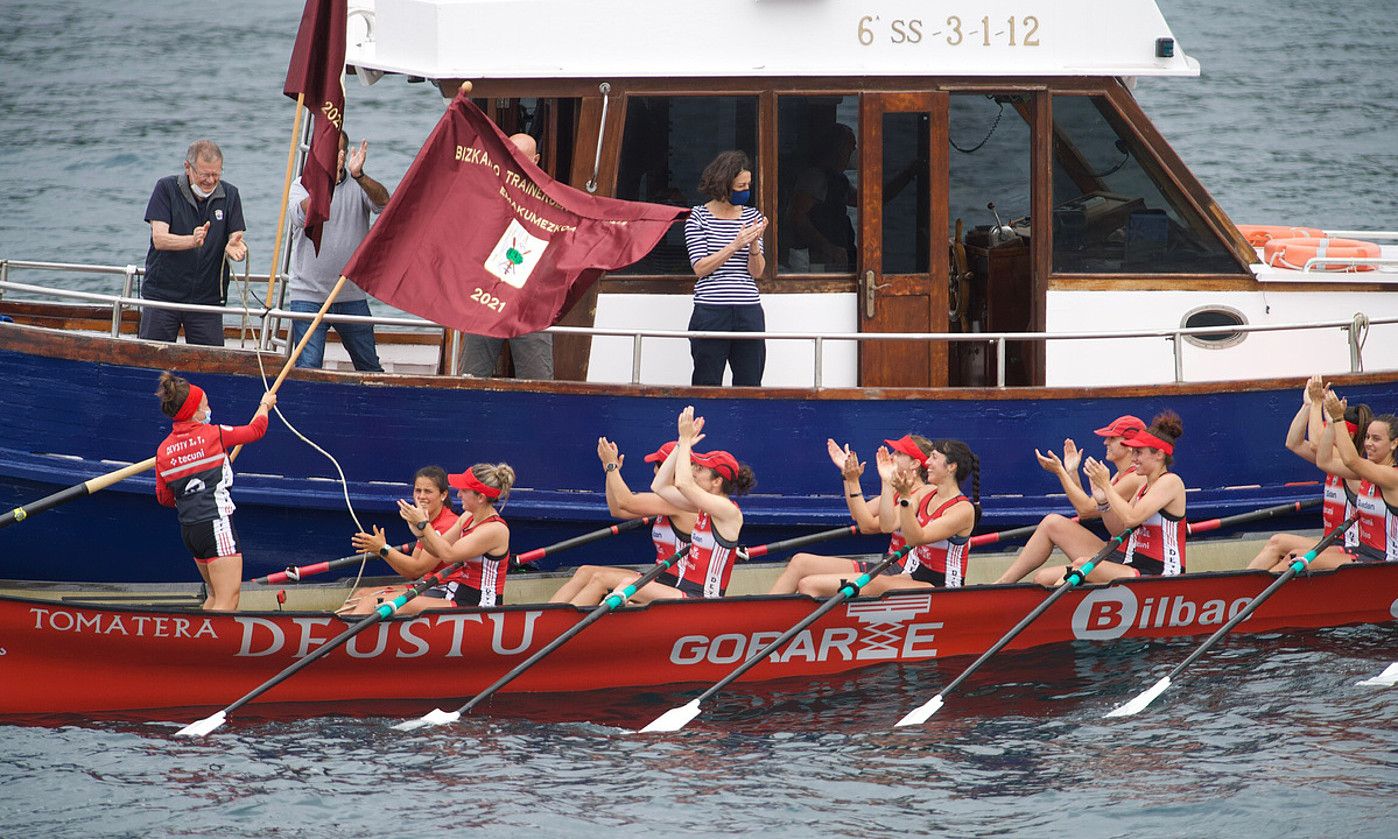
1214,316
988,163
1115,211
907,208
551,122
667,142
817,184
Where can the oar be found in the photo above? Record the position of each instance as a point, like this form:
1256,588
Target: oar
1387,679
72,493
294,573
208,724
677,718
992,538
798,541
1071,579
1256,515
1137,705
610,530
612,601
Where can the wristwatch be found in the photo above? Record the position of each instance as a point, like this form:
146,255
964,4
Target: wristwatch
420,525
383,552
903,502
610,467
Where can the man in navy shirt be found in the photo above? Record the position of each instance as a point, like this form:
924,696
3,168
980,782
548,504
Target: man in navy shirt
195,220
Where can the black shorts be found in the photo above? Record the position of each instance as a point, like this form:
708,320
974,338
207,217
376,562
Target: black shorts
923,574
864,566
668,578
456,593
208,540
691,590
1144,566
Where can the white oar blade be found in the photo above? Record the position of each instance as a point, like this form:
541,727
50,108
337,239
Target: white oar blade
434,717
202,727
1387,679
674,719
1139,704
922,713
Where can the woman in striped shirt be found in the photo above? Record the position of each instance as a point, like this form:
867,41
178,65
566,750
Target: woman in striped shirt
724,238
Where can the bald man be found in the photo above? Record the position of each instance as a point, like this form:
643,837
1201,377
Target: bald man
532,353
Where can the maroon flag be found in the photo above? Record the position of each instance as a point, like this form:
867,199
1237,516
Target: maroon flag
317,70
479,238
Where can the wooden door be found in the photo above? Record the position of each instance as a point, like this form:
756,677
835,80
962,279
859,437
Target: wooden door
903,218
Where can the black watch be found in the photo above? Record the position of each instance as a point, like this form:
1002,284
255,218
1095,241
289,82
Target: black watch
903,502
421,526
383,552
610,467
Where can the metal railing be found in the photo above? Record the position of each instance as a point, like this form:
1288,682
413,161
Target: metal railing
1355,329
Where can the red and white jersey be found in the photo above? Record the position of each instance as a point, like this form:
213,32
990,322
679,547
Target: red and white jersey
1378,525
667,540
484,572
442,523
896,540
1338,505
709,562
192,470
945,556
1156,547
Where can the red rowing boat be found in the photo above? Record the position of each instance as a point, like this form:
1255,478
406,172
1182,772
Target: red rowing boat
59,657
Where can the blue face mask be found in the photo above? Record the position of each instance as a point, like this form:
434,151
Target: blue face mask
738,197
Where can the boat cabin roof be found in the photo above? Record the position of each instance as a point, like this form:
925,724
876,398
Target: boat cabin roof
548,39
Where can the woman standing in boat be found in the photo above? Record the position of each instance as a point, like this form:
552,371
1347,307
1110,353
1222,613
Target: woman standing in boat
1156,510
479,537
1342,485
431,495
669,533
1057,531
940,526
194,475
1377,500
874,515
724,239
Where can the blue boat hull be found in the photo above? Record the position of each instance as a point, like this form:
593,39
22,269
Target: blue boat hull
79,407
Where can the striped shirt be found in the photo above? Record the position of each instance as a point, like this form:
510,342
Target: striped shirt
705,234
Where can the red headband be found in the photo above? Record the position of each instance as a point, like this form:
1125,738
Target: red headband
191,404
1144,439
468,480
1352,426
906,445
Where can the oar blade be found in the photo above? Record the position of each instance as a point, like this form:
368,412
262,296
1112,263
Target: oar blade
204,726
673,719
1137,705
1387,679
922,713
434,717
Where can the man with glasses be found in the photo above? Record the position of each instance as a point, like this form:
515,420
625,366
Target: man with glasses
196,219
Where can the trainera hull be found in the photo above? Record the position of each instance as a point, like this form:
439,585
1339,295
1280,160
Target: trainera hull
79,406
64,658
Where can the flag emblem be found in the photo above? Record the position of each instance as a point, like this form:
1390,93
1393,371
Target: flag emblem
515,255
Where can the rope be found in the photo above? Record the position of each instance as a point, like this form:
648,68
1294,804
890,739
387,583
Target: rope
1358,334
993,125
344,484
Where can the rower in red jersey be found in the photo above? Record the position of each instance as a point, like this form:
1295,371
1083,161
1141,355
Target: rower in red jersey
194,474
1156,510
432,495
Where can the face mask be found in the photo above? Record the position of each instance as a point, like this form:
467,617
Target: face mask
209,417
739,197
194,188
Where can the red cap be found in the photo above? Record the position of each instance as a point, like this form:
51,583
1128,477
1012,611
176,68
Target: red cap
1121,426
661,453
906,445
1147,440
468,480
191,404
725,464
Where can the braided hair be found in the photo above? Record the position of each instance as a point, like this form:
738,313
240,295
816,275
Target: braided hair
967,465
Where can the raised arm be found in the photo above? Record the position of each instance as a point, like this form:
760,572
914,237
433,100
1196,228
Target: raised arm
864,512
1384,476
960,519
663,485
888,517
1083,503
1133,513
1307,425
727,518
490,538
1327,455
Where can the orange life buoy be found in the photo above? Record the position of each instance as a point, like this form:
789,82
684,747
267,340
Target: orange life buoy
1294,253
1258,235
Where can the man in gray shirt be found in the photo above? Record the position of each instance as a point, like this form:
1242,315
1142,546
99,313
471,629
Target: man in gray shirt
312,276
532,354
